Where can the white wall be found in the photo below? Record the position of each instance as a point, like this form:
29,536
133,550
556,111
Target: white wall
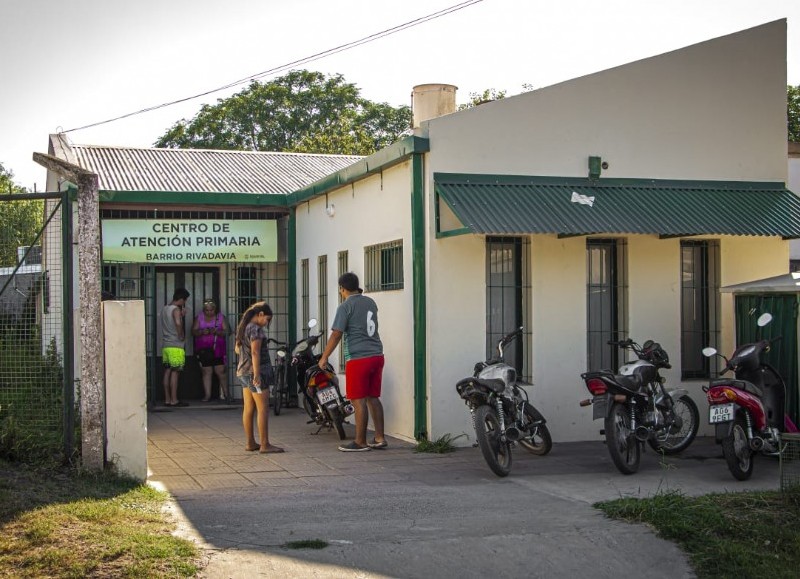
126,387
687,115
374,210
715,110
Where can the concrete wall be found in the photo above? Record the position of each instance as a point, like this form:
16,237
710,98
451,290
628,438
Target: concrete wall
793,184
126,387
374,210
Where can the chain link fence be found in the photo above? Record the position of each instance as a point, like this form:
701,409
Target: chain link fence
36,407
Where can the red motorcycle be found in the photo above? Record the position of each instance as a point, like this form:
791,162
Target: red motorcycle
748,410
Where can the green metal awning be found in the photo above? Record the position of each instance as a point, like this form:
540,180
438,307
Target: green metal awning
506,204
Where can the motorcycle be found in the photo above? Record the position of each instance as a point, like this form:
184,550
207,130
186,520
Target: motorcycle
501,413
748,410
322,398
637,408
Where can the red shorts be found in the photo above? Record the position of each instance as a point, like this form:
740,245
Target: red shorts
364,377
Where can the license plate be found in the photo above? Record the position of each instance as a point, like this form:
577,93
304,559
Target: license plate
720,413
327,395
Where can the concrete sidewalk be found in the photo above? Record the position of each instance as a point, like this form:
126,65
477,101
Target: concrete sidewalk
396,513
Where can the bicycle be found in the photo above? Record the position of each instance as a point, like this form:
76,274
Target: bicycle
281,392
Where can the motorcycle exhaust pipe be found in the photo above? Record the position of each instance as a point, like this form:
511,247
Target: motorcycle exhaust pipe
513,433
641,433
756,443
348,409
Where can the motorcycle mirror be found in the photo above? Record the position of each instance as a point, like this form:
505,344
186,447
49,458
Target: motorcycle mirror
280,354
764,319
312,323
708,352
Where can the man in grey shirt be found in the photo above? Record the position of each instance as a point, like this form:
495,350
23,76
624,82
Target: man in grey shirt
173,353
357,320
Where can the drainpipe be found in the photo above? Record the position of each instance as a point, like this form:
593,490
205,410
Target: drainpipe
419,297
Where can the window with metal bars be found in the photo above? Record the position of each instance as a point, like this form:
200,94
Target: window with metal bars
304,291
383,266
699,306
606,301
322,289
508,298
343,267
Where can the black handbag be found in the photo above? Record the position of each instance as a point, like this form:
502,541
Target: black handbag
205,356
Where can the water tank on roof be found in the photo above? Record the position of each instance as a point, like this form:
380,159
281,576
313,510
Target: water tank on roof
429,101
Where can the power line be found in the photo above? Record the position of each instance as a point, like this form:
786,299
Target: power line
288,65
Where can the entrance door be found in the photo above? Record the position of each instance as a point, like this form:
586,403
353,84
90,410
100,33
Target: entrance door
201,282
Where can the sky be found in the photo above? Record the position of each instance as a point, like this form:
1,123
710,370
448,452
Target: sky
65,64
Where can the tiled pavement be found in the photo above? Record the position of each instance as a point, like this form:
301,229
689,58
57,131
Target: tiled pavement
202,448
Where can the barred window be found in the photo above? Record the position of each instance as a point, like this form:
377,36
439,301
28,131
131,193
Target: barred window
343,267
304,290
383,266
322,290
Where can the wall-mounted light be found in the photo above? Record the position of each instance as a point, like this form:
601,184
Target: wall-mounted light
330,210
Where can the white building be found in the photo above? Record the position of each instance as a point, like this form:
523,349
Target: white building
613,204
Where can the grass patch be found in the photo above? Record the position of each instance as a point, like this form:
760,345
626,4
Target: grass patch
59,523
307,544
743,535
441,445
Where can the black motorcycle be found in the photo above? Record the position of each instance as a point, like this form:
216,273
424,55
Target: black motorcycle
501,414
636,407
321,395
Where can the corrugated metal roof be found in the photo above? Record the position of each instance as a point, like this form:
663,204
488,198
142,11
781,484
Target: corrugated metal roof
501,204
207,171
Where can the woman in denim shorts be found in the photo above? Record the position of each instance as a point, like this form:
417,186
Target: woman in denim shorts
249,335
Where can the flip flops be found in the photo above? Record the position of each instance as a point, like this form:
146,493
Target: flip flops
353,447
378,445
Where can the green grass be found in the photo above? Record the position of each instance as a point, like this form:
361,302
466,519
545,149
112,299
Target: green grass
742,535
59,523
441,445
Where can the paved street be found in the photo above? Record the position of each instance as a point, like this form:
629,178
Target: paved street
395,513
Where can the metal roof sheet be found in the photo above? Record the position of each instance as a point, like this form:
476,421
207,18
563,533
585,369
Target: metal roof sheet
207,171
504,204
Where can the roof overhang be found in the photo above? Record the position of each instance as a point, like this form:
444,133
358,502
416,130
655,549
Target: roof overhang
787,283
512,205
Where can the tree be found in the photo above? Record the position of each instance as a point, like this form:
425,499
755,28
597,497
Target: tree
478,98
302,111
793,112
20,221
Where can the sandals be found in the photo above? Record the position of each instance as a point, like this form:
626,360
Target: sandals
353,447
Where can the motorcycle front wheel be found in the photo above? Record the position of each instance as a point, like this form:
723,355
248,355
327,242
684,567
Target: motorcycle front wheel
736,450
487,430
280,386
681,433
538,442
623,447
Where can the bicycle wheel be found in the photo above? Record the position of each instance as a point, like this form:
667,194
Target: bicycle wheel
280,389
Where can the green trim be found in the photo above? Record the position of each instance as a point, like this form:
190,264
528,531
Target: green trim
455,178
194,198
453,232
387,157
291,258
419,296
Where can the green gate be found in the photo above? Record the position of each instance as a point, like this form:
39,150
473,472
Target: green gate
783,354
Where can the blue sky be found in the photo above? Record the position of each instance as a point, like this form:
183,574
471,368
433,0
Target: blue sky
68,63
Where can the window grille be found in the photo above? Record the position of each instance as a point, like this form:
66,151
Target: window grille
322,289
699,306
304,291
383,266
508,298
606,301
343,267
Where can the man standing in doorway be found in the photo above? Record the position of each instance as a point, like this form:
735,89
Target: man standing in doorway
173,352
357,320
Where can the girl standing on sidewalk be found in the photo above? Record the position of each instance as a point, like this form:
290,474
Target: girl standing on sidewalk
249,335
